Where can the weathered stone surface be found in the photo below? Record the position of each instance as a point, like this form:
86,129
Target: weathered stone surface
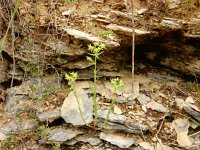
146,146
20,98
173,3
18,125
157,107
170,24
70,111
69,12
79,64
49,115
87,37
143,99
112,117
4,66
135,128
60,134
181,127
126,31
89,138
120,140
192,110
3,136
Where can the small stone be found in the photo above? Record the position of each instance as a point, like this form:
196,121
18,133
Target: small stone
146,146
189,99
70,108
88,138
61,134
112,117
122,141
51,114
69,12
157,107
162,146
181,127
143,99
3,136
117,110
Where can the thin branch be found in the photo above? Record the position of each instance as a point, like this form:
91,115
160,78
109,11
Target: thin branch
133,39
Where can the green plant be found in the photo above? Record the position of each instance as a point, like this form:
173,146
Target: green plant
105,34
9,143
194,87
95,51
70,1
42,132
117,85
72,77
56,146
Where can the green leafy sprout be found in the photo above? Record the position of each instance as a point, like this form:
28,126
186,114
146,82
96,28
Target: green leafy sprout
95,51
117,85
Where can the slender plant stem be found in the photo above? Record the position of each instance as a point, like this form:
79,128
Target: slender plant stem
110,108
79,106
95,91
133,39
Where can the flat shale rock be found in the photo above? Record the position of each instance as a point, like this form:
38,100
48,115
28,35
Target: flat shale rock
17,125
89,138
134,128
120,140
70,111
90,38
20,98
112,117
61,134
157,107
49,115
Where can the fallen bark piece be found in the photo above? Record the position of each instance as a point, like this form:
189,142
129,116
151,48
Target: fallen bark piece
181,127
120,140
70,108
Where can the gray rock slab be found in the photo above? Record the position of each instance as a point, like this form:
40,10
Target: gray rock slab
79,64
112,117
126,31
19,98
51,114
70,108
17,125
120,140
190,110
88,37
89,138
62,134
135,128
157,107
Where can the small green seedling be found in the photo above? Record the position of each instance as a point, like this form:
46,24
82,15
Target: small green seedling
105,34
72,77
95,51
117,85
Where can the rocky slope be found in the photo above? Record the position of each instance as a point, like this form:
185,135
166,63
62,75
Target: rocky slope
157,110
